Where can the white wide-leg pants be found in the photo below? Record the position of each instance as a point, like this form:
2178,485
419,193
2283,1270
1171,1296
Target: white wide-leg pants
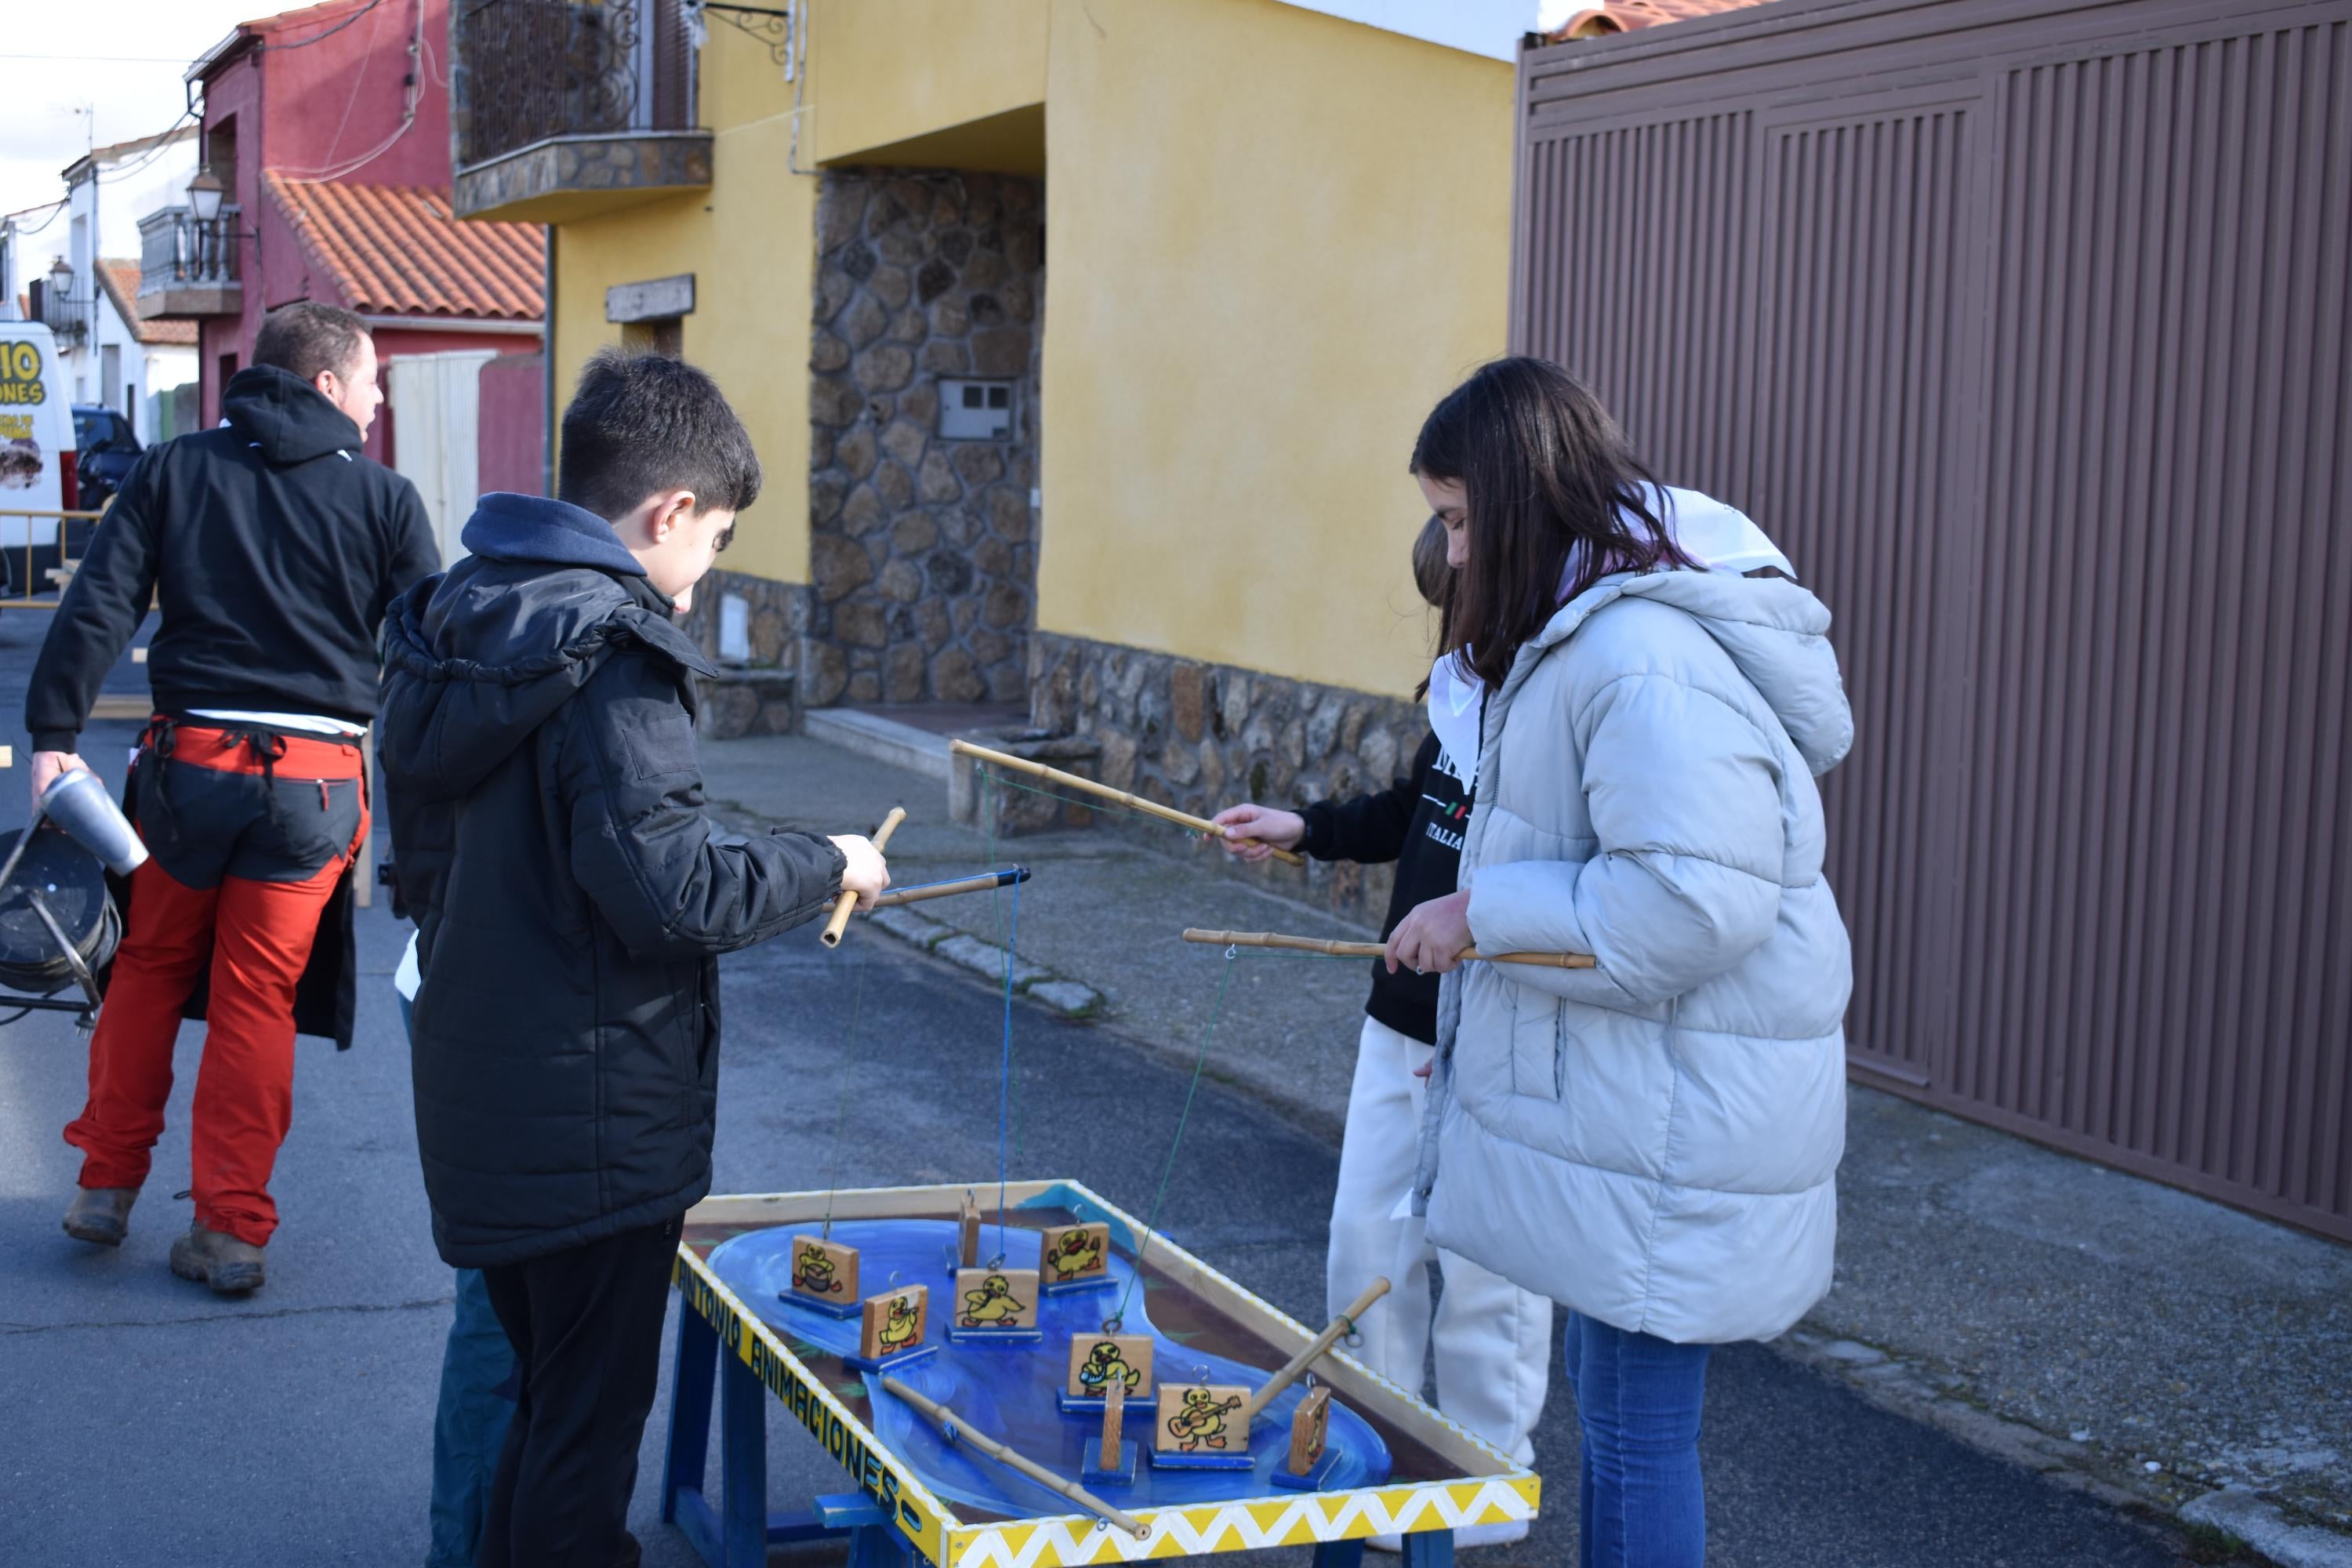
1492,1339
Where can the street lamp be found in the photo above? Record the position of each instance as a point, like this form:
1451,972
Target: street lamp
204,192
58,301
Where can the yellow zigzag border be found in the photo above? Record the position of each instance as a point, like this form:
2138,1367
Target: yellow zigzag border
1243,1526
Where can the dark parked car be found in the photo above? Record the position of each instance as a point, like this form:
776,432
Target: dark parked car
107,448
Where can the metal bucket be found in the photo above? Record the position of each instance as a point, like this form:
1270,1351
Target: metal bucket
78,801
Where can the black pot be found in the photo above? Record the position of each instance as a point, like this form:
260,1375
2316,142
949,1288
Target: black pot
71,884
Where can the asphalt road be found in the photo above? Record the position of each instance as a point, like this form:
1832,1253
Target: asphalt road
147,1422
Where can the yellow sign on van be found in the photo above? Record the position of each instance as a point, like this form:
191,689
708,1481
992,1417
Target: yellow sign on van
20,373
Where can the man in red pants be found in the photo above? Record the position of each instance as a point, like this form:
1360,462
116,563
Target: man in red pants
273,546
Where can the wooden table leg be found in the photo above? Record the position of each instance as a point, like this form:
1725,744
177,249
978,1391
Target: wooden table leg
1430,1549
744,1464
692,1367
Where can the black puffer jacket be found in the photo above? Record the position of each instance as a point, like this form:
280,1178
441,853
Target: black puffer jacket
537,752
273,546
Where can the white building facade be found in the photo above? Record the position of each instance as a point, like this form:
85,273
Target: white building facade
113,358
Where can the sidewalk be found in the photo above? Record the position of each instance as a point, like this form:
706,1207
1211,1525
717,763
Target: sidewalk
2161,1351
1099,909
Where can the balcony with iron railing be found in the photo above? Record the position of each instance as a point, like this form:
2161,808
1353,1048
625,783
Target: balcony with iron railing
188,265
559,109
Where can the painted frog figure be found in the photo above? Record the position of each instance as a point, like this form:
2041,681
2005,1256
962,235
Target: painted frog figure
1201,1421
993,1303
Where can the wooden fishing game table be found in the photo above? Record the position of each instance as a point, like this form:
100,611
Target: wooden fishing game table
1398,1466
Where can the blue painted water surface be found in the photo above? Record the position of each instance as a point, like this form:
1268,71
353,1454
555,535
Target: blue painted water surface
1007,1391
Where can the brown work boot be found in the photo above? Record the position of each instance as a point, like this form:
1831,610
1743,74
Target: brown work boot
101,1215
213,1258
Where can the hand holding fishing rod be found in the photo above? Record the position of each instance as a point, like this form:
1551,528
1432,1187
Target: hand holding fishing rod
1122,797
1332,949
864,877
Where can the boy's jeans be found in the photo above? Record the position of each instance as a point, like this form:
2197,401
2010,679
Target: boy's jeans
469,1425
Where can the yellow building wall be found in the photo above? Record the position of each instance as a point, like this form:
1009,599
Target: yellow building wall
749,241
1274,240
887,72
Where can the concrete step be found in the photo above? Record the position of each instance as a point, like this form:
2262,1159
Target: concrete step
882,740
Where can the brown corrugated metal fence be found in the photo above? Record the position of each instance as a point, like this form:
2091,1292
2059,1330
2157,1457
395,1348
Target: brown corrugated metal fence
2022,325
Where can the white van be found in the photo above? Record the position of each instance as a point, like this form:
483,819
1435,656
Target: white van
36,453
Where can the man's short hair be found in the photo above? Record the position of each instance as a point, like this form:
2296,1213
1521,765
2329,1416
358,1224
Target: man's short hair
642,423
307,337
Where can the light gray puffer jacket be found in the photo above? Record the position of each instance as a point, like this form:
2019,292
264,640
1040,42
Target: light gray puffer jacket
1653,1142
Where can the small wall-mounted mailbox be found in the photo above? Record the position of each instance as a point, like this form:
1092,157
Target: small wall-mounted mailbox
976,410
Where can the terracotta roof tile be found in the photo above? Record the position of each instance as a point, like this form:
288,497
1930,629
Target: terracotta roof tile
1627,15
120,281
395,250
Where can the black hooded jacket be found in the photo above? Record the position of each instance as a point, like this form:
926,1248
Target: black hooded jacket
571,897
275,546
1416,822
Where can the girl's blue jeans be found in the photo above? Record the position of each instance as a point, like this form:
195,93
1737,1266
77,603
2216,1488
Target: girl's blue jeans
1637,1400
469,1423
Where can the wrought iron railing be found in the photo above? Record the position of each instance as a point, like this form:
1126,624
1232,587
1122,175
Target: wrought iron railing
178,250
538,69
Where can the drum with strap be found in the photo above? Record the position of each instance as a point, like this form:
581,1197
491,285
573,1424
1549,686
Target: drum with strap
58,877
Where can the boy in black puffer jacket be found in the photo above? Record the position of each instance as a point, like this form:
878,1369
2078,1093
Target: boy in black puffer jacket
572,900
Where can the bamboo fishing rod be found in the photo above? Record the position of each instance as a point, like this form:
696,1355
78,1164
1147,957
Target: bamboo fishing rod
923,891
1295,1367
1374,950
842,906
952,1428
1120,796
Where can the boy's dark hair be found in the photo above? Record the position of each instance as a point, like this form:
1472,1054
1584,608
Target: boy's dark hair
640,423
307,337
1434,577
1431,574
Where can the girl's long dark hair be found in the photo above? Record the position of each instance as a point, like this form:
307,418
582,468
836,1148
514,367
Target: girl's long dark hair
1547,477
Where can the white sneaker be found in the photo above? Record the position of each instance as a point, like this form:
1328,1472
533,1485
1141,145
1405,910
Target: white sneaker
1503,1532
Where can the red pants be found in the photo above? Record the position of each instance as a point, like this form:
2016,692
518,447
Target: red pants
255,931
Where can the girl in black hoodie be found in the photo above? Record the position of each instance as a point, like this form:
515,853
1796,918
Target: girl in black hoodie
1493,1340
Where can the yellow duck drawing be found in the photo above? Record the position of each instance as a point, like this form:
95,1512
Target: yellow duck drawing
1201,1421
816,1273
1076,1252
1103,1364
992,1304
900,1326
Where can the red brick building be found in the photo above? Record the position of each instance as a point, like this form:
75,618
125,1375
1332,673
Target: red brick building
328,132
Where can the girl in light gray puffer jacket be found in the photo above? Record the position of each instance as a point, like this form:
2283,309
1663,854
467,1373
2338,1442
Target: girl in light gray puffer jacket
1651,1142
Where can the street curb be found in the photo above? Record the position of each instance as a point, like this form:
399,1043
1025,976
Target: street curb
1059,994
880,740
2242,1512
1910,1391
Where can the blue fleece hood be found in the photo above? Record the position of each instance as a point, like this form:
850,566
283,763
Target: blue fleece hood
538,531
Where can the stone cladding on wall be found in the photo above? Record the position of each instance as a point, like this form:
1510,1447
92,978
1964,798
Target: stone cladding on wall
923,551
1201,737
